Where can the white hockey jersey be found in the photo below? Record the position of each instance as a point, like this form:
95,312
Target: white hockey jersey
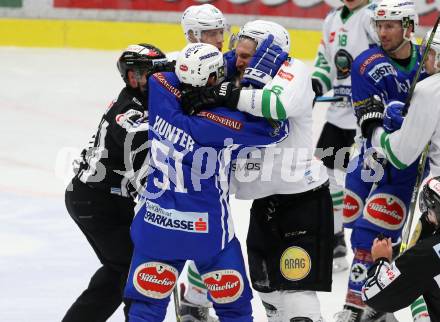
345,35
421,126
289,166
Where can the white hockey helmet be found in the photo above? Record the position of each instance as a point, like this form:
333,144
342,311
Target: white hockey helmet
200,18
197,62
402,10
435,45
259,30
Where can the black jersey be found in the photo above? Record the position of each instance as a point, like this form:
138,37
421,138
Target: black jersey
117,150
391,287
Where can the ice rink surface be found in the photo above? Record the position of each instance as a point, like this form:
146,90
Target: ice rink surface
51,101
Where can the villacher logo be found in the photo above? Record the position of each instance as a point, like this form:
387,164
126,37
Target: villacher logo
386,211
155,279
224,286
353,206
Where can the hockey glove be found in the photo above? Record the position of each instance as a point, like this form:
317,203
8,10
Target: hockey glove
317,87
264,64
199,98
393,118
369,115
230,60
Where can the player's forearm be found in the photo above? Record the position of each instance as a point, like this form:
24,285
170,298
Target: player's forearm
263,103
405,145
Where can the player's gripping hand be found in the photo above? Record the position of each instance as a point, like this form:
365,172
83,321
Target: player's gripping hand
264,64
382,248
369,115
200,98
393,117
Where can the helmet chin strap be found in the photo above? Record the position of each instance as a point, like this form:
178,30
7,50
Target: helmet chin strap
404,41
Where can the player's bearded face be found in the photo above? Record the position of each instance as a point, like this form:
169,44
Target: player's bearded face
390,33
244,51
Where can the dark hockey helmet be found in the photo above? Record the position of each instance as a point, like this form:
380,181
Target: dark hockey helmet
140,58
430,197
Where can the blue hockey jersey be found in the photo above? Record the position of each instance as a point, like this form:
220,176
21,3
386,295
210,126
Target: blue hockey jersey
374,72
185,212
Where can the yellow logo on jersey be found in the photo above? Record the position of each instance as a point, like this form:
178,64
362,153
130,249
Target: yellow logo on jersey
295,263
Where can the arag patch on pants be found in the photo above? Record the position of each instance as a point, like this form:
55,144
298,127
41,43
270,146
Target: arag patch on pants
295,263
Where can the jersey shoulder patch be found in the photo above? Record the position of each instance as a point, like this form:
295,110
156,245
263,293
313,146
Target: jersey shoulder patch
161,79
366,60
226,121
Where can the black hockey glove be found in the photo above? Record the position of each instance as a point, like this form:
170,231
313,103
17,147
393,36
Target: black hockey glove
369,115
196,99
317,87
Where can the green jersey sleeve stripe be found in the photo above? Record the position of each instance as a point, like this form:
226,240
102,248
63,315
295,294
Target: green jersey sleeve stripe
281,112
265,102
324,78
385,144
322,63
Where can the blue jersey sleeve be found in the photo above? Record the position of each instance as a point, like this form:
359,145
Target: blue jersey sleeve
217,126
212,128
364,80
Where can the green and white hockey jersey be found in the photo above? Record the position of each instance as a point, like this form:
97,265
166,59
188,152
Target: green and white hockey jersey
345,35
421,126
289,166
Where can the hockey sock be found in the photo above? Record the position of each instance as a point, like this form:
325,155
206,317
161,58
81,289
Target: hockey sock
301,306
196,292
362,261
419,310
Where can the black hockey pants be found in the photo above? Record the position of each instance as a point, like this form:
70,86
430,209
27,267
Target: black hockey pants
105,220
